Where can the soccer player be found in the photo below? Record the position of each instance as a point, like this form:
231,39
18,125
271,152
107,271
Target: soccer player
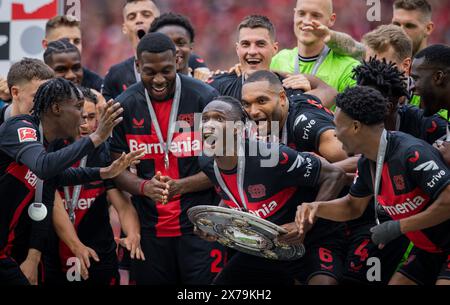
181,31
414,16
410,181
312,56
430,70
255,48
138,15
68,27
23,80
24,161
386,78
308,124
168,180
65,59
82,221
281,186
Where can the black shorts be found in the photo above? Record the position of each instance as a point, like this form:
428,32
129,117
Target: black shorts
324,256
102,273
183,260
10,273
360,248
425,268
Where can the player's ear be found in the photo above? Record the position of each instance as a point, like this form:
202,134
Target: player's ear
356,126
56,109
439,78
138,66
406,65
14,92
283,98
44,44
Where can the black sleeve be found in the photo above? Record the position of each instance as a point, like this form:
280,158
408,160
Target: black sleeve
309,124
206,165
19,140
427,169
297,168
76,176
109,90
47,165
91,80
362,185
416,124
118,142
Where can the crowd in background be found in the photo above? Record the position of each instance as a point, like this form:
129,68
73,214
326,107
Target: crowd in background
215,24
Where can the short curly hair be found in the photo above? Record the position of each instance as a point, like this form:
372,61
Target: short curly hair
173,19
363,104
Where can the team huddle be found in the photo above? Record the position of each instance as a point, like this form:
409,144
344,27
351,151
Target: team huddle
344,144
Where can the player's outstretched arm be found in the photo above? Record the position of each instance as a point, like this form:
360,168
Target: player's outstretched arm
341,209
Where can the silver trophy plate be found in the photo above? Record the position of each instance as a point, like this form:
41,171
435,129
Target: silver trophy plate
244,232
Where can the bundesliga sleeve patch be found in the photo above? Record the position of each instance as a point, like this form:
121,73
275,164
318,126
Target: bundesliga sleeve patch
27,134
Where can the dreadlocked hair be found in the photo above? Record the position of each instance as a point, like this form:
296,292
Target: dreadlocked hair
58,47
54,91
383,76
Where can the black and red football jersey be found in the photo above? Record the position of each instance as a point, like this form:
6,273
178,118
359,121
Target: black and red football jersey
413,176
272,193
137,131
92,222
413,122
122,76
22,160
306,122
229,84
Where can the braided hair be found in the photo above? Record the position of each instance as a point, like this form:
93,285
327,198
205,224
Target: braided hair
383,76
58,47
54,91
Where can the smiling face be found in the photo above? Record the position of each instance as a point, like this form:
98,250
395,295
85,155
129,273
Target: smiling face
425,86
305,12
68,66
347,131
158,72
255,49
70,117
264,104
182,40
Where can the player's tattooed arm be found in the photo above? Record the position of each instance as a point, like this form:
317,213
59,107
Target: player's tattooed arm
342,43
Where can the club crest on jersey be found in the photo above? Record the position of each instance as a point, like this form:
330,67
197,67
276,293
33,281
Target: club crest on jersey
399,182
187,117
27,134
257,191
